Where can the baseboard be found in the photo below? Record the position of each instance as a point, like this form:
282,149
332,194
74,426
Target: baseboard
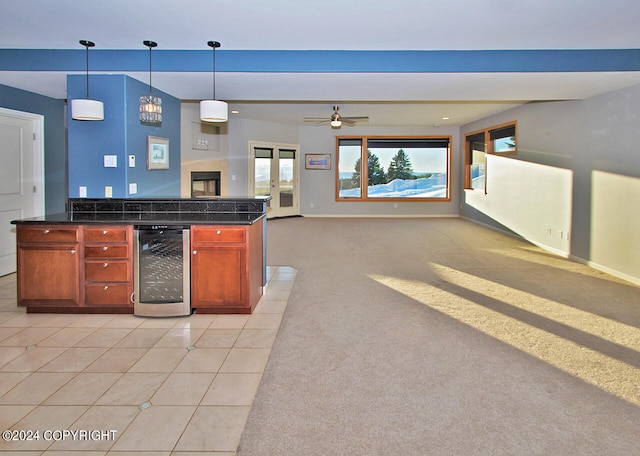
396,216
606,270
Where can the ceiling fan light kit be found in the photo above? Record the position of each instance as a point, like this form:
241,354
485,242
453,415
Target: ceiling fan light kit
336,120
87,109
214,110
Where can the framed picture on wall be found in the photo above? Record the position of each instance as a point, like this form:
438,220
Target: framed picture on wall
157,152
317,161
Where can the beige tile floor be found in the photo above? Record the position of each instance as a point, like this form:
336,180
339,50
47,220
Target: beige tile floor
155,386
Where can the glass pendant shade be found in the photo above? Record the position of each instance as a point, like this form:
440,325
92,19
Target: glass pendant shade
150,109
87,110
214,111
150,105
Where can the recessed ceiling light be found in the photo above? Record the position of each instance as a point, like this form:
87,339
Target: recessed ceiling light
445,118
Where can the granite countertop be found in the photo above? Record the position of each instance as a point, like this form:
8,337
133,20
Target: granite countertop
148,218
157,211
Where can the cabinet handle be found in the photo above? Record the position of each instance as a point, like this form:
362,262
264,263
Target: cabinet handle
45,231
106,287
132,297
104,265
73,251
218,232
195,252
104,231
105,248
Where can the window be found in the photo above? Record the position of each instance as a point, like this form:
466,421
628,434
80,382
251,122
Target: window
498,140
503,139
476,157
408,169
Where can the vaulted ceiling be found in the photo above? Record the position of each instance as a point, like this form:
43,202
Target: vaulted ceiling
407,62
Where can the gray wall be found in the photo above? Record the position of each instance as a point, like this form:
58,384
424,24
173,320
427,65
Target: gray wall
593,142
241,131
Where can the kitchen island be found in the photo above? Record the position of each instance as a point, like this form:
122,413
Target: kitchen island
82,261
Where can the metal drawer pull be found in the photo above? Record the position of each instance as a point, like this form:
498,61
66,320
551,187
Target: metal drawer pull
45,231
195,252
106,287
104,231
105,248
73,251
218,232
104,265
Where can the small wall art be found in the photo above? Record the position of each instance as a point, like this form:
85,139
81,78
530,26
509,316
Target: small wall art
157,152
317,161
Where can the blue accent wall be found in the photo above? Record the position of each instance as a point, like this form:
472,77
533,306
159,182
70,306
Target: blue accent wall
54,140
120,134
160,182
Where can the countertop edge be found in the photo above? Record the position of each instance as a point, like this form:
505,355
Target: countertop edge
65,219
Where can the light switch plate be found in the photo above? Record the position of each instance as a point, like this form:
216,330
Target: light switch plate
133,188
82,191
110,161
132,161
108,191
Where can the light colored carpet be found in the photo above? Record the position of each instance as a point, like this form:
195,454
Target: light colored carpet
441,337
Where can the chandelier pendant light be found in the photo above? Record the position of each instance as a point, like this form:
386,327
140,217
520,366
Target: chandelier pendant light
150,105
87,109
214,110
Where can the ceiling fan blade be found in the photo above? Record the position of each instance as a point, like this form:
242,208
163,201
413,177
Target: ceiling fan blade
316,119
355,118
348,121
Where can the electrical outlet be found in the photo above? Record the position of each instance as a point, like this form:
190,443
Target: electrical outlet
108,191
132,161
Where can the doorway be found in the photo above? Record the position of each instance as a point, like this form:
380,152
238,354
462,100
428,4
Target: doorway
21,177
273,171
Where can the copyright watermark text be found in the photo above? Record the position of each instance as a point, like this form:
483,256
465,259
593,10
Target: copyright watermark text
20,435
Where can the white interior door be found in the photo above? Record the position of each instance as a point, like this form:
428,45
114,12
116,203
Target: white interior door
274,172
21,178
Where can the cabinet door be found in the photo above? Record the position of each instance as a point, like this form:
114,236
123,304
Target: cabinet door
218,276
48,274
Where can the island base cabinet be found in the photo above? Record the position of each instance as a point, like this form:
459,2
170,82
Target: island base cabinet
48,268
226,268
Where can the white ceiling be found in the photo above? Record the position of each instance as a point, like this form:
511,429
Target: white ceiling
388,99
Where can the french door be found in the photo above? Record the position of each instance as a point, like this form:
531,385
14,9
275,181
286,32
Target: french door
274,172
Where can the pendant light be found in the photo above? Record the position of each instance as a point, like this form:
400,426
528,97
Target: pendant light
214,110
87,109
150,105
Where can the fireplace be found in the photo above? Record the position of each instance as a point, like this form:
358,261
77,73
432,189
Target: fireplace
205,184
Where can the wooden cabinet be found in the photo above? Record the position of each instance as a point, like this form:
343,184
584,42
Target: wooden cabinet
48,267
226,268
88,268
108,270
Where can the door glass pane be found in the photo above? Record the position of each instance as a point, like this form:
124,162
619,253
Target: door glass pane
286,177
263,177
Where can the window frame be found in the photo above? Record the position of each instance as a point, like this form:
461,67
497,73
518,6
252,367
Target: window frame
364,177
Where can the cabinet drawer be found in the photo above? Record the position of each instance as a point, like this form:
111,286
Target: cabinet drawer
106,271
106,251
222,234
47,234
105,234
116,294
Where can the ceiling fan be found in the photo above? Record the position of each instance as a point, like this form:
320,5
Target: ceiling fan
336,120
